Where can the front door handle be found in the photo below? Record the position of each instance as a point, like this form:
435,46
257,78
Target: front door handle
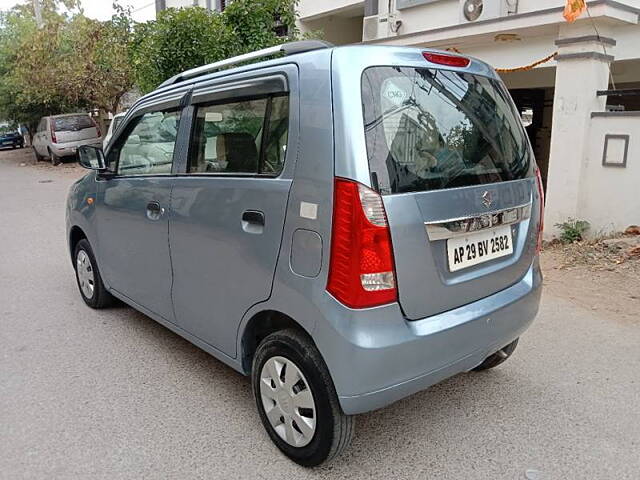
154,211
253,221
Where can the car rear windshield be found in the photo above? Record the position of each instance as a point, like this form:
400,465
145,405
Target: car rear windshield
73,124
434,129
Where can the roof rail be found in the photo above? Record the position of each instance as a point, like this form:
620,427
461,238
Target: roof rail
290,48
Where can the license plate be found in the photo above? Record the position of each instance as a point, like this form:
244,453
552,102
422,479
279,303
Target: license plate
475,248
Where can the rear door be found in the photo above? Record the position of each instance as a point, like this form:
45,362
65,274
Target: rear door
74,128
449,154
228,207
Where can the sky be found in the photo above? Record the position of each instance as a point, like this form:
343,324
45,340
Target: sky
143,10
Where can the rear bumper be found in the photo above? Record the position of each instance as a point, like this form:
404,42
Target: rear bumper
375,365
71,149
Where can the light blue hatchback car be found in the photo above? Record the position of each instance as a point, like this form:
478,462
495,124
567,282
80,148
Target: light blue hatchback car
347,226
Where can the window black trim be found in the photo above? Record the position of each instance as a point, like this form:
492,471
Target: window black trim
265,135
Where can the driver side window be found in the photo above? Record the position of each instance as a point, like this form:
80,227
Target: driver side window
148,148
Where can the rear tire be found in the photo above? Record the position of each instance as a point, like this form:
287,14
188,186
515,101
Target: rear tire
55,160
497,358
92,290
291,380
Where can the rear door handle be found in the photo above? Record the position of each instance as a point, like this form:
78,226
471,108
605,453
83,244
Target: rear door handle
253,221
154,211
253,216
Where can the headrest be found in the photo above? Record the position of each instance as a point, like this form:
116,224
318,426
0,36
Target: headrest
239,151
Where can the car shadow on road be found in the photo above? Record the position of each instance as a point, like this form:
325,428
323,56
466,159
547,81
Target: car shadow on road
452,414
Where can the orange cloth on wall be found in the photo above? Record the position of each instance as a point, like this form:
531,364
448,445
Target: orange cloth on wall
573,9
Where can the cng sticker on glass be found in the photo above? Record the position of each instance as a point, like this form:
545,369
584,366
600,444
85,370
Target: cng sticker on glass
468,250
394,93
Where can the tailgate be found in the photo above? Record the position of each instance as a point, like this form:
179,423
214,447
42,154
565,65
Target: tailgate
76,136
448,152
423,223
71,129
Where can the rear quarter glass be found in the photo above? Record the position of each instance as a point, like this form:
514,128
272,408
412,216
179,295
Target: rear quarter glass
431,129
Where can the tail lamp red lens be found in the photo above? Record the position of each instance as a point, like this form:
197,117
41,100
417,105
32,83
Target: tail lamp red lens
361,270
541,221
54,139
449,60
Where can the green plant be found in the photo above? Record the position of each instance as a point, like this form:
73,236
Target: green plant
573,230
180,39
72,63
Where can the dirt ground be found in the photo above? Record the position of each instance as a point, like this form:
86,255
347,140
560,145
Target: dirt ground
602,284
25,158
590,274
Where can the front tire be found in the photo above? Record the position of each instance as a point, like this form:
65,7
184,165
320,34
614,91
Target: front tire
497,358
297,401
92,290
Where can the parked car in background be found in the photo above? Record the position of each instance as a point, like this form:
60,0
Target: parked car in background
11,139
348,226
115,123
59,136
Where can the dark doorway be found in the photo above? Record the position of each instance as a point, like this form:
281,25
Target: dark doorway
536,108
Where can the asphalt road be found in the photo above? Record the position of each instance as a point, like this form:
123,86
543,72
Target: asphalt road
112,394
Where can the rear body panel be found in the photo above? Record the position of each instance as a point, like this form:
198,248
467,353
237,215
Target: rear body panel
12,140
426,285
67,142
71,148
72,129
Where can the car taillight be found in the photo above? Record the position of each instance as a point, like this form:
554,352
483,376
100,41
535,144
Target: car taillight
449,60
361,269
541,221
54,139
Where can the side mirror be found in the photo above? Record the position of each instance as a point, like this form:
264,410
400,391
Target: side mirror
91,158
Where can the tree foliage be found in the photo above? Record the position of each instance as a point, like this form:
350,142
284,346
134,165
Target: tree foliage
74,63
181,39
71,63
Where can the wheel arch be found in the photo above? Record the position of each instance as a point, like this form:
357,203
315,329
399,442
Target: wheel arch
260,326
75,235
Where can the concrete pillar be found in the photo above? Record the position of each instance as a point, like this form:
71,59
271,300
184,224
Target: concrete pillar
583,64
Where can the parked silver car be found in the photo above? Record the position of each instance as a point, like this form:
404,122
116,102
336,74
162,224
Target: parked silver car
348,226
60,136
113,127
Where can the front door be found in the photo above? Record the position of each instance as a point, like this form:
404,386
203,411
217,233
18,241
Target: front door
228,214
133,225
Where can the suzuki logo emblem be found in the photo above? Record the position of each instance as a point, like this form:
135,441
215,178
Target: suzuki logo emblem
487,199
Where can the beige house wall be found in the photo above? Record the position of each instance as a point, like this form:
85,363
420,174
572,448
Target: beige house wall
578,186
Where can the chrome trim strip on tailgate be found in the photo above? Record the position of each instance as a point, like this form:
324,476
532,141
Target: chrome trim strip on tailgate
455,227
